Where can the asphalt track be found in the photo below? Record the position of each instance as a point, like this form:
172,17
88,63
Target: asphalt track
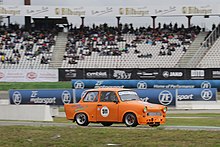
115,126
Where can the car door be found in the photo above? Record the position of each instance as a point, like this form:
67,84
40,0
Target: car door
107,107
90,102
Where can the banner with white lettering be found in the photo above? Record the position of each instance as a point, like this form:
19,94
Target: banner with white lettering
28,75
47,97
144,9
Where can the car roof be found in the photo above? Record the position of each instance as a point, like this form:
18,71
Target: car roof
108,89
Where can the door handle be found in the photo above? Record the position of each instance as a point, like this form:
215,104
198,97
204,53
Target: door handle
99,105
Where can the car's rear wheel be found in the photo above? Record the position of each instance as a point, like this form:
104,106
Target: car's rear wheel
106,124
82,119
130,120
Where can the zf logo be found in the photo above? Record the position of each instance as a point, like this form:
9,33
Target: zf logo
142,85
66,97
98,83
206,84
78,85
16,97
34,93
104,111
206,94
165,97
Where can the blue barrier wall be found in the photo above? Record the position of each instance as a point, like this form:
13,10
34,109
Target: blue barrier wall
48,97
166,97
144,84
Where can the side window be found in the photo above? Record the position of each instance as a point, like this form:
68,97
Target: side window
91,97
108,96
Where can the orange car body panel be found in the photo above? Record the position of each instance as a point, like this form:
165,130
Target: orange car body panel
114,111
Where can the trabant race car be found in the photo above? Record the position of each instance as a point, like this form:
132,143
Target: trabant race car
115,105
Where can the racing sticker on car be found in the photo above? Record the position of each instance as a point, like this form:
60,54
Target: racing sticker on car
104,111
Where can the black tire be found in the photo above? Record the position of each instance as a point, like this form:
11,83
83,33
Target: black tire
81,119
106,124
130,120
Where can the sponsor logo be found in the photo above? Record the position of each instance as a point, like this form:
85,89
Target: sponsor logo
216,74
2,75
143,74
120,74
104,111
196,10
31,75
97,74
134,11
197,74
41,100
66,97
206,84
34,93
184,97
142,85
167,74
70,73
17,98
79,85
206,94
165,97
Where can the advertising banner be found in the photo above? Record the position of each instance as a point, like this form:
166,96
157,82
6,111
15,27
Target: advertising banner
141,10
28,75
172,74
67,74
166,97
196,94
47,97
121,74
144,84
96,73
150,73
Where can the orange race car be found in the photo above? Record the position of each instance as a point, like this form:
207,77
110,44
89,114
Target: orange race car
115,105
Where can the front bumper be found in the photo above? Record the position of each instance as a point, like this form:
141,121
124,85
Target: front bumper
145,119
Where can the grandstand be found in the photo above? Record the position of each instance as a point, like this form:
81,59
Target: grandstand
109,47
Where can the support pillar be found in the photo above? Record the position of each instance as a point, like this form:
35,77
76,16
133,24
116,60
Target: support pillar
82,22
154,21
27,19
9,20
189,20
118,21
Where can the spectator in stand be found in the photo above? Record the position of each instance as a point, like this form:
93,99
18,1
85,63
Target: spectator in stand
3,59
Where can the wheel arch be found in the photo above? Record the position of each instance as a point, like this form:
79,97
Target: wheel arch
74,116
123,116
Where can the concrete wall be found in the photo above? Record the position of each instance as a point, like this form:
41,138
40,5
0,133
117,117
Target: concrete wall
25,112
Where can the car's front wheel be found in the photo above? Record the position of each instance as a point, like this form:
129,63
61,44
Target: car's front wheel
82,119
106,124
130,120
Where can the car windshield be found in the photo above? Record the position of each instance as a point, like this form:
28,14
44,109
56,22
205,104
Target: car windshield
128,95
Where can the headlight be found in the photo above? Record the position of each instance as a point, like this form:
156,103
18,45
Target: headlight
145,109
165,109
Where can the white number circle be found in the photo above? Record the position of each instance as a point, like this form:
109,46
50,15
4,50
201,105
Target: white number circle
104,111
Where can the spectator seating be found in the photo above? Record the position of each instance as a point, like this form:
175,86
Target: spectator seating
140,48
20,49
211,58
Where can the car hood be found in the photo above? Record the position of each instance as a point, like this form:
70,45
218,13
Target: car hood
147,104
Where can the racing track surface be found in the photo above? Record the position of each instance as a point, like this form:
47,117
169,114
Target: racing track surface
116,126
